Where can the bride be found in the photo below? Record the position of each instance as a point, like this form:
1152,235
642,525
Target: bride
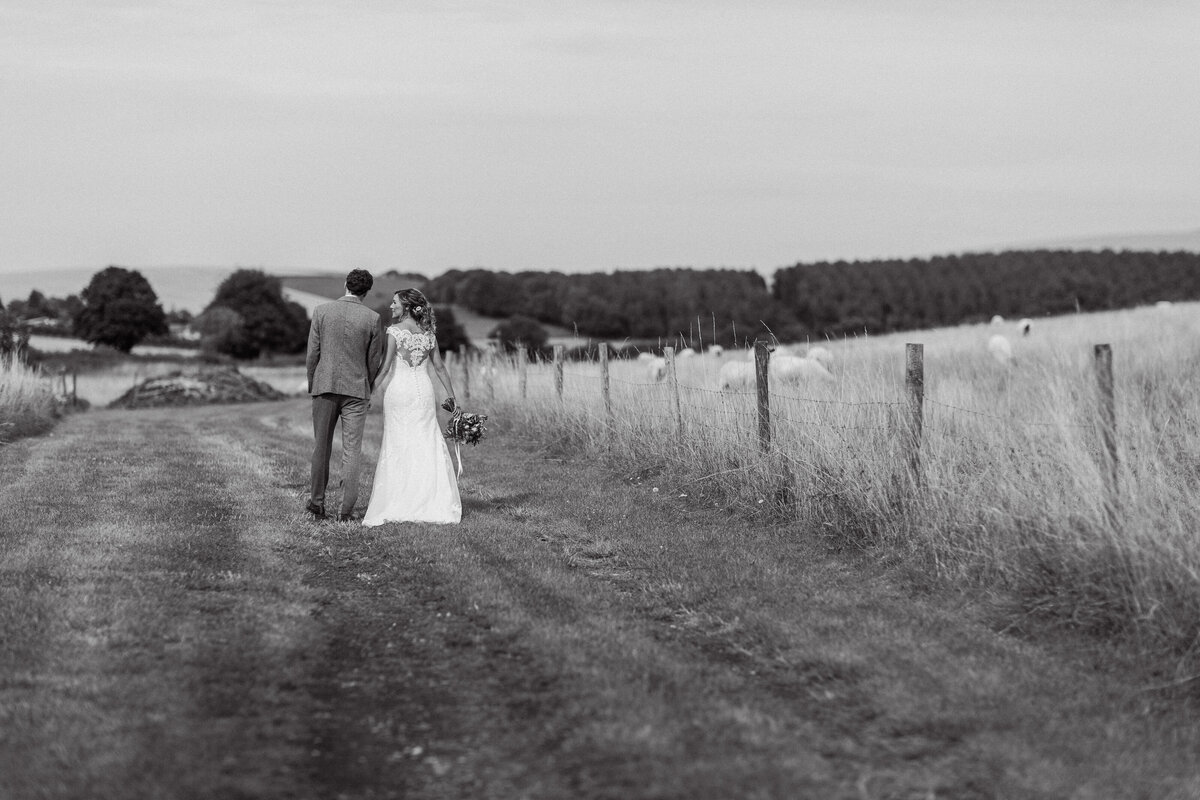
415,479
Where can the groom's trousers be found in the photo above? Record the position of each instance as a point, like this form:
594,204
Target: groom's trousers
327,410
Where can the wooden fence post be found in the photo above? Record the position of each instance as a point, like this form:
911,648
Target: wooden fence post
560,351
1108,429
762,357
914,381
465,355
522,370
673,379
602,349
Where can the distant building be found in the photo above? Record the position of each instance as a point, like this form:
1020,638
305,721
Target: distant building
44,322
185,332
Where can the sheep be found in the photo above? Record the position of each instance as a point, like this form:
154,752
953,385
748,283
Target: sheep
656,368
794,369
645,356
782,368
997,320
716,350
1024,326
736,375
686,352
822,355
1163,304
1001,349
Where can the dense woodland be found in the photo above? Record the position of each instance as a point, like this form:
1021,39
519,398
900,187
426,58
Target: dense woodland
695,306
828,298
724,306
883,296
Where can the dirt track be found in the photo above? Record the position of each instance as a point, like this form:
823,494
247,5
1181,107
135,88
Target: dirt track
173,626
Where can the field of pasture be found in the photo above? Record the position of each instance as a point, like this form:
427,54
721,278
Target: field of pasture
1011,494
641,605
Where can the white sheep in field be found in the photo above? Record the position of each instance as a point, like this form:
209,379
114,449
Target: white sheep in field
781,369
686,352
822,355
656,368
795,369
1024,326
716,350
645,356
1001,349
736,375
997,320
1163,304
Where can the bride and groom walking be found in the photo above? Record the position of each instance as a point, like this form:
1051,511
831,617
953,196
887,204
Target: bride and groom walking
415,479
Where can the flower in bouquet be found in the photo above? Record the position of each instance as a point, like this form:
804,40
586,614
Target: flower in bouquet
466,427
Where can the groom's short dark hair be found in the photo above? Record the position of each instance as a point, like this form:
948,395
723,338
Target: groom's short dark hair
359,282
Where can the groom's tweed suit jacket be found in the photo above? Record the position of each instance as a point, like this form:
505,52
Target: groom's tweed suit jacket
344,352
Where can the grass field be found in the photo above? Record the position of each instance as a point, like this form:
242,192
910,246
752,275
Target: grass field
629,609
1012,495
172,626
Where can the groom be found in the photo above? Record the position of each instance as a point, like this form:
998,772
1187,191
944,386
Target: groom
343,362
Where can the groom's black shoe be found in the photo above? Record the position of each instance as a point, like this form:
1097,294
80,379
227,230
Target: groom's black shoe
317,512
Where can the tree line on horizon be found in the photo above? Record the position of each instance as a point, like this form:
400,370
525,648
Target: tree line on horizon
827,299
249,314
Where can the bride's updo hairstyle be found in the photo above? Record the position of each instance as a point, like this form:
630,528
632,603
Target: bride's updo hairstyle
416,306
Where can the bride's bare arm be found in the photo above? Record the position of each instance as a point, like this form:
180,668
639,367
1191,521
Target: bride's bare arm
439,367
389,358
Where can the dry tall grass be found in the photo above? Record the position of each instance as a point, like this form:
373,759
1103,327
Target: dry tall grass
1011,493
27,401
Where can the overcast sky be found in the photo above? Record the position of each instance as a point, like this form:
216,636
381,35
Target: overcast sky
587,135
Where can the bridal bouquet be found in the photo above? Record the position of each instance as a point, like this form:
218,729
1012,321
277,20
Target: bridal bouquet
466,427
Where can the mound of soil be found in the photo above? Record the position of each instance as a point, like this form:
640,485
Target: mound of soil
204,386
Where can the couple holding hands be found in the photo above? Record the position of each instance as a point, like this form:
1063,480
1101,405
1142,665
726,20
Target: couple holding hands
415,479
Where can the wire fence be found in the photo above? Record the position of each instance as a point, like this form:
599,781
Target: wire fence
787,420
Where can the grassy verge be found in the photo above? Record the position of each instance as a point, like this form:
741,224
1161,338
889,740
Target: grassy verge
1012,495
27,402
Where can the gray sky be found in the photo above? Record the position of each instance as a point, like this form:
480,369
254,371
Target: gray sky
587,135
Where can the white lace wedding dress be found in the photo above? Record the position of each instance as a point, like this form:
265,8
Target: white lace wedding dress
415,480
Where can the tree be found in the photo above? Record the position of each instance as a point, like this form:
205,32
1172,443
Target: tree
14,337
520,333
37,306
180,316
269,321
222,330
450,333
119,309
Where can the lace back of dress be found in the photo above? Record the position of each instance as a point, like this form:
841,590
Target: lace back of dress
411,347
